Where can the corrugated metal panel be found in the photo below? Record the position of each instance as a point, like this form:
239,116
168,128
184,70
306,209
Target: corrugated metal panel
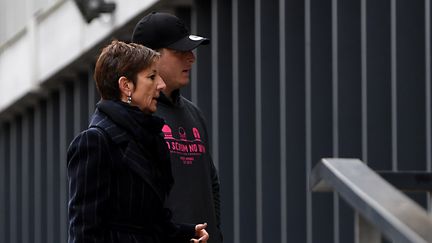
39,142
341,57
25,177
15,181
4,182
52,150
428,89
6,196
66,135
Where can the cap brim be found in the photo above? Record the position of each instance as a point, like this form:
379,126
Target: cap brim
188,43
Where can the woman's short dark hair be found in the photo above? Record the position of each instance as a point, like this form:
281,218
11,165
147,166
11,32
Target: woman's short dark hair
120,59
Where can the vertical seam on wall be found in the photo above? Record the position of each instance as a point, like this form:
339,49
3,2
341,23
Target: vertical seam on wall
2,183
335,110
428,94
258,112
62,166
335,77
194,83
37,176
91,91
364,81
215,77
13,185
282,93
308,117
77,106
394,85
24,179
236,126
50,170
428,85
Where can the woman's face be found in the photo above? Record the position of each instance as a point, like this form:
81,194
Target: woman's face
147,89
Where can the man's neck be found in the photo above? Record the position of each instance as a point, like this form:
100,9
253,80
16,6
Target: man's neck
168,94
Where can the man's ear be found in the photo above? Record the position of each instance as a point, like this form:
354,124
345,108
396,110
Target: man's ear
125,86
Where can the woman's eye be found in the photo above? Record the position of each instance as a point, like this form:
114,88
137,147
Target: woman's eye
152,77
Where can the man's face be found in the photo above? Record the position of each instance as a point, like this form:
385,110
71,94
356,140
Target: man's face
174,68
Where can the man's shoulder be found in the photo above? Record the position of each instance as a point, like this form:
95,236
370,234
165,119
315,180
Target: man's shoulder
189,104
186,112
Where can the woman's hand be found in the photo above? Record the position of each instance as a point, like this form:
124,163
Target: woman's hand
201,234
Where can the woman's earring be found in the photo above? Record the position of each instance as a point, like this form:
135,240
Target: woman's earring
129,99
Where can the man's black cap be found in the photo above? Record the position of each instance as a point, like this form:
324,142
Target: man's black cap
162,30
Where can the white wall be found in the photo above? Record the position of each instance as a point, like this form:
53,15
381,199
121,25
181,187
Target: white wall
53,39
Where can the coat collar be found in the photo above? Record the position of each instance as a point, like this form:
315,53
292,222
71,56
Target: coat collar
134,155
116,133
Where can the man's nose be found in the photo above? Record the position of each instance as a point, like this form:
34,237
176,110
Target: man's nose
190,56
161,84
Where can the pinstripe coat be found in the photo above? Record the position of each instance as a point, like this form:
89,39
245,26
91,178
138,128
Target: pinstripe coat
114,194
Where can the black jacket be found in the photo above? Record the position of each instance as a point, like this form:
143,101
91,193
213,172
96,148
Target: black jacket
117,187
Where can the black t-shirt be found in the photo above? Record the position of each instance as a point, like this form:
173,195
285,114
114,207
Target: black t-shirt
194,197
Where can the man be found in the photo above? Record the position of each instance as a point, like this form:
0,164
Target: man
195,195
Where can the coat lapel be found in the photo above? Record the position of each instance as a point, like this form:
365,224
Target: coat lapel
133,157
134,154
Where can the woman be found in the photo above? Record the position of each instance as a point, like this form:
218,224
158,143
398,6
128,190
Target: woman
118,169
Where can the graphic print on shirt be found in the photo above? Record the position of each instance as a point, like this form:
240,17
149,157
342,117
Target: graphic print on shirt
188,150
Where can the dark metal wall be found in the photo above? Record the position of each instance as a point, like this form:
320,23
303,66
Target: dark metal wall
285,83
33,199
282,84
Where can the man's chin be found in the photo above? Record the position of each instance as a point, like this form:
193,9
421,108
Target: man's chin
184,83
175,85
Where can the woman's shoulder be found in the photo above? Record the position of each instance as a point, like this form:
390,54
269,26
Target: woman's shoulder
90,137
107,127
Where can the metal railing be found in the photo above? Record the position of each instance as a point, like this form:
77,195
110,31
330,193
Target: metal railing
380,207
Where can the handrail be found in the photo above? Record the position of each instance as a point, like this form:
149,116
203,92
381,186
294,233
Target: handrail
394,214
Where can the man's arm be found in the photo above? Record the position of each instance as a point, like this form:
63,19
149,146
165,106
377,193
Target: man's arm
216,193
